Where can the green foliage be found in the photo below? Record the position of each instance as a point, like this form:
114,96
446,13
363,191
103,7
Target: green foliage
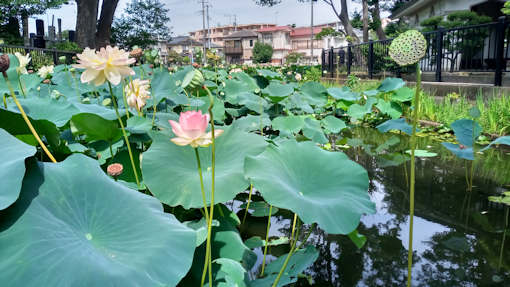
313,75
326,32
262,53
66,46
293,58
394,29
506,8
141,24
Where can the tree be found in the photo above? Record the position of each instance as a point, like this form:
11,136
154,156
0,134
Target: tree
293,58
343,15
364,4
142,23
262,53
12,11
326,32
90,31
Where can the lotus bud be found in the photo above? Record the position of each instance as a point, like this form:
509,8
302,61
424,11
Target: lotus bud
5,62
197,81
30,71
46,81
115,170
408,48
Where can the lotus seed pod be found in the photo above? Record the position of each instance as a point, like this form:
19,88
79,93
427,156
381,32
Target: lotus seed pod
408,48
5,62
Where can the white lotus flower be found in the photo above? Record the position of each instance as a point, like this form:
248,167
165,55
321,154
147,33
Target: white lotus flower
137,93
44,71
23,62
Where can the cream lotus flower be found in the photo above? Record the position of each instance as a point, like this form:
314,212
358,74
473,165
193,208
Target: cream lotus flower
44,71
108,64
137,93
23,62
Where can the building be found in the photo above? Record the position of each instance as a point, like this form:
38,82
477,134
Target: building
239,45
217,34
415,11
183,45
279,38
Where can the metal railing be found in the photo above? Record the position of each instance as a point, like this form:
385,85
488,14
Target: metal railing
40,56
477,48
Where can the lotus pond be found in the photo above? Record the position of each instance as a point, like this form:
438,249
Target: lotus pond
132,175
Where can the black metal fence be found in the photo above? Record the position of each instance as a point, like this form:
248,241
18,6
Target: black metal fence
478,48
40,57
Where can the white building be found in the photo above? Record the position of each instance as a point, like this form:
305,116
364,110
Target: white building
415,11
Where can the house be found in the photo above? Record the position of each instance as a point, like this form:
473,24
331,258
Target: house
415,11
183,45
239,45
279,38
301,40
216,35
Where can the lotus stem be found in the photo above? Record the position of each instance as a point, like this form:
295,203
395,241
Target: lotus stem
126,139
111,150
206,262
412,175
292,249
293,228
307,236
213,173
267,239
124,99
27,121
154,109
5,101
503,240
248,204
21,86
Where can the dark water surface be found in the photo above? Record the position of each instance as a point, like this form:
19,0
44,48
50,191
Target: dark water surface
458,234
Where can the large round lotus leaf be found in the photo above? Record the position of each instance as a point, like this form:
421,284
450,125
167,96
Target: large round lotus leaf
12,167
170,171
277,91
314,93
58,112
74,226
318,185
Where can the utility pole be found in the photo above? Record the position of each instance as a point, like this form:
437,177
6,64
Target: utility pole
204,49
235,22
208,29
311,31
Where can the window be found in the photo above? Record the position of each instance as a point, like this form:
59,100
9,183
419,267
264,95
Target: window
251,43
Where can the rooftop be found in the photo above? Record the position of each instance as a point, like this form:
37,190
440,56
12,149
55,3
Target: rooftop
242,34
183,40
274,29
305,31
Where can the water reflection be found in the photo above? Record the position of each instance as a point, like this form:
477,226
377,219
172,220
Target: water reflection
458,233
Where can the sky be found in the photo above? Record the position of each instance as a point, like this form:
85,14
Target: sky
186,15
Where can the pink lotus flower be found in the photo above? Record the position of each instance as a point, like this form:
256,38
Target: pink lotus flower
191,129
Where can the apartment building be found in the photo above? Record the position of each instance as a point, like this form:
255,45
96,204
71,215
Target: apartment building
217,34
279,38
239,45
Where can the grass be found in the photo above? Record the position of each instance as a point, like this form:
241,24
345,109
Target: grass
495,110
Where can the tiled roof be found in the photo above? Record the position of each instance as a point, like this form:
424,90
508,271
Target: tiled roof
274,29
242,34
304,31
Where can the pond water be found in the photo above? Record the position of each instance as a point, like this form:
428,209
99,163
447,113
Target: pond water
458,234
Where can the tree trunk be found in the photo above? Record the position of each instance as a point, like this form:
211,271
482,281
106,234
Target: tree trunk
376,16
344,18
86,23
26,38
365,20
104,28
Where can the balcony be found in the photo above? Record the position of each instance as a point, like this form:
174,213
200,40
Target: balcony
233,50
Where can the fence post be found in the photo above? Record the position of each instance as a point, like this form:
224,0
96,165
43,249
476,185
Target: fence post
371,59
331,65
323,62
349,59
500,47
55,58
439,54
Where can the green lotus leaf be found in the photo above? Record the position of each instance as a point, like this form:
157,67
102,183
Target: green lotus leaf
357,112
396,124
314,93
391,84
466,131
312,130
58,112
30,82
74,226
277,91
298,262
139,125
318,185
13,153
422,153
95,128
249,81
14,124
460,151
391,109
501,140
290,124
252,123
343,93
358,239
403,94
200,227
230,274
269,74
163,86
98,110
387,144
333,125
170,171
259,209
